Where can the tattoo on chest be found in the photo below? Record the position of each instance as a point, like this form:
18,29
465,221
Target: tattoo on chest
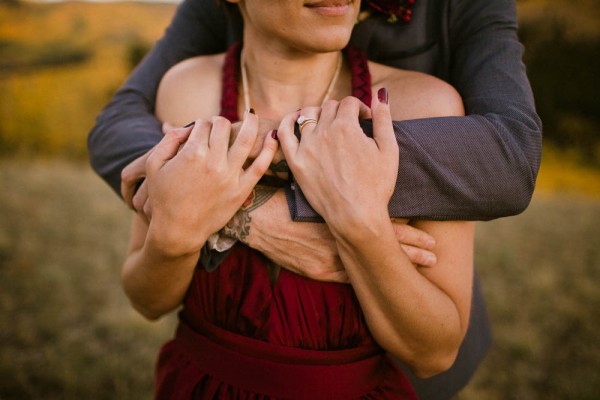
239,226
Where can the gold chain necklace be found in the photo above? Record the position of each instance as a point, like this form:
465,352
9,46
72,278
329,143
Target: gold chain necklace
246,91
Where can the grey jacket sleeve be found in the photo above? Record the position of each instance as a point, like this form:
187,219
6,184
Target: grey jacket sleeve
477,167
127,128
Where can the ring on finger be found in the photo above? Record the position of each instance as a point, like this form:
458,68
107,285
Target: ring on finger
303,121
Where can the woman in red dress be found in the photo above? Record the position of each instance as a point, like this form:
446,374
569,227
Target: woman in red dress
249,330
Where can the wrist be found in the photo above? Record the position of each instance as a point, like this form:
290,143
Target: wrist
171,244
361,228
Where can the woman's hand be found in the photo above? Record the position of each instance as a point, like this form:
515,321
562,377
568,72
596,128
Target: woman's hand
194,192
133,184
346,176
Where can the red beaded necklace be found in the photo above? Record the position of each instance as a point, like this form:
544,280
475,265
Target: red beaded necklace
396,9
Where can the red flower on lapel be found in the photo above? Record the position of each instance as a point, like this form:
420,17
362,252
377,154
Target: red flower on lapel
396,9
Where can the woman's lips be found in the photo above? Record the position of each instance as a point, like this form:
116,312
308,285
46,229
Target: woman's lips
331,8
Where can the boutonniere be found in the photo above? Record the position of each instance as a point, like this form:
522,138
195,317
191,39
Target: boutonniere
397,10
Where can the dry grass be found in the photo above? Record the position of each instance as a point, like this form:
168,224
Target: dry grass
68,332
66,329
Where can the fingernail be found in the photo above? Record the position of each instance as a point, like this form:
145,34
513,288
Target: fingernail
430,243
382,95
192,123
274,134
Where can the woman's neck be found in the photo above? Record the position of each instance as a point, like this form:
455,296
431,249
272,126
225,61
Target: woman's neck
280,82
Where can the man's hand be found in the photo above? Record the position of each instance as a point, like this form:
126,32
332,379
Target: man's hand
133,185
417,244
265,127
306,248
195,191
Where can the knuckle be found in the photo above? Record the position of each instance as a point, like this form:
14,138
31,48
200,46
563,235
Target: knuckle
214,168
422,240
400,232
349,100
203,124
221,122
330,103
138,203
310,110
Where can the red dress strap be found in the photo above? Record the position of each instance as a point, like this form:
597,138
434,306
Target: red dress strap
361,76
359,68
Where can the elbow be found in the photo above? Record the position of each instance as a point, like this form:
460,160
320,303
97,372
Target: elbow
428,363
150,313
520,193
433,359
147,305
427,367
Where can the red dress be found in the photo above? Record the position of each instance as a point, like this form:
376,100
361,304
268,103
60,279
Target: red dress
244,335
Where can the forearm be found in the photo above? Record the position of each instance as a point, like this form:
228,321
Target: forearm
156,284
389,290
467,168
478,167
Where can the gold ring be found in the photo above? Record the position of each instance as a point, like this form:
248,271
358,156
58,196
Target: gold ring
303,121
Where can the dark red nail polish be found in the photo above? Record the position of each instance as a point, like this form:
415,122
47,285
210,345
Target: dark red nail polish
274,134
189,124
382,95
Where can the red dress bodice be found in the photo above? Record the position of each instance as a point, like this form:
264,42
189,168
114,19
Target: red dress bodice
290,320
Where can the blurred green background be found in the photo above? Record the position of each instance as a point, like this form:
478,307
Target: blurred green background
66,328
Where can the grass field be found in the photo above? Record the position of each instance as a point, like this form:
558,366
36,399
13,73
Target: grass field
68,332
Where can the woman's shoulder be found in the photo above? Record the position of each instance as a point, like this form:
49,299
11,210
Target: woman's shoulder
207,64
414,95
194,86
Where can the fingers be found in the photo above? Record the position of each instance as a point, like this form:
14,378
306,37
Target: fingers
218,138
383,129
184,132
328,112
420,257
407,234
165,150
352,109
242,146
141,196
417,244
261,163
131,176
288,141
